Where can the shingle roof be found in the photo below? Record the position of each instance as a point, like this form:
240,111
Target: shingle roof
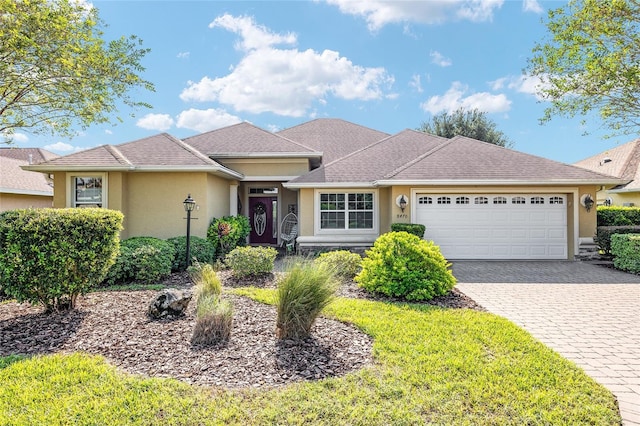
622,161
412,156
37,155
245,139
15,180
335,138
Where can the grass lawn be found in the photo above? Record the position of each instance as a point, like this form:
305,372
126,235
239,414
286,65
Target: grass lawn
432,365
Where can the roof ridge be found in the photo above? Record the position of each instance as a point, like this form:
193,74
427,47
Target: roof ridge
420,157
118,155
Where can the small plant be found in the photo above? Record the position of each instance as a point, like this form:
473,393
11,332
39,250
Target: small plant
343,263
246,261
141,259
206,280
304,291
214,320
403,265
227,233
200,249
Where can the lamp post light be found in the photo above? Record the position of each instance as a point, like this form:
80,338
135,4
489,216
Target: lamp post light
189,204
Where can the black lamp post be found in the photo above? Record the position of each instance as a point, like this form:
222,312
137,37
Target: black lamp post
189,205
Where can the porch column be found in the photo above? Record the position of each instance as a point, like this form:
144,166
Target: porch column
233,199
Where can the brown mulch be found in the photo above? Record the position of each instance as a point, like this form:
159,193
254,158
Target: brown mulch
115,325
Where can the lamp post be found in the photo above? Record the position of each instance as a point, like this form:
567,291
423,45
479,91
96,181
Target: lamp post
189,204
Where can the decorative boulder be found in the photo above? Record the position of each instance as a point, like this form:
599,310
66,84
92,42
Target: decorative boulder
169,303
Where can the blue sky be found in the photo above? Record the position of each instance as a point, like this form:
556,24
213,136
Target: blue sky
384,65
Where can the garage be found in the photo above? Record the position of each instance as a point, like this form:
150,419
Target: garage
495,226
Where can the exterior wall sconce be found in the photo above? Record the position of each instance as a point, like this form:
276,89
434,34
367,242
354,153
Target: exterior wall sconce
189,205
587,201
402,202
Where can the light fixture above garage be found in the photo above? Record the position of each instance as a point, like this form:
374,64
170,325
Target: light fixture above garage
587,201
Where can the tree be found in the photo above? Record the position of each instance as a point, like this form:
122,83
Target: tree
590,62
57,72
470,123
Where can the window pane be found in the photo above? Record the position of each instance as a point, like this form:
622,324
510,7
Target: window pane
332,220
360,220
88,192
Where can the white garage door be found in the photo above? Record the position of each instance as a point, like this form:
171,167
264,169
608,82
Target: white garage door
495,226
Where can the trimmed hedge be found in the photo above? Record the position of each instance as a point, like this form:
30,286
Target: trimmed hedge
604,233
626,252
144,259
51,256
618,216
199,249
227,233
246,261
343,263
412,228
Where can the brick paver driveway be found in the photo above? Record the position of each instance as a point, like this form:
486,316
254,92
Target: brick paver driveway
588,313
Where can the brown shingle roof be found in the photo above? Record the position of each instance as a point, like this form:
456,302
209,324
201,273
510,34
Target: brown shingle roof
15,180
622,161
335,138
37,155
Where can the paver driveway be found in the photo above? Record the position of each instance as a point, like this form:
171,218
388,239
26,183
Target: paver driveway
587,313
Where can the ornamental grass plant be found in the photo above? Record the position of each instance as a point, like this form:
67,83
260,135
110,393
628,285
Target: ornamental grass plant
214,320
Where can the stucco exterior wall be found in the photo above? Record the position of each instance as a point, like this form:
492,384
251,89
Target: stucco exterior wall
619,198
267,166
21,201
60,190
306,209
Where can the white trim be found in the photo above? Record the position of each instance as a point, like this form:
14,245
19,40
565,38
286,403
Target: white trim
329,185
25,192
493,182
170,169
622,190
247,155
267,178
233,199
70,185
341,234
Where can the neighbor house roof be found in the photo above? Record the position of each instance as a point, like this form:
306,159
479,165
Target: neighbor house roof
622,161
14,180
335,138
247,140
412,157
161,152
33,155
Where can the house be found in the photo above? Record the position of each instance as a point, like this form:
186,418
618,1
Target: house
347,184
20,189
623,162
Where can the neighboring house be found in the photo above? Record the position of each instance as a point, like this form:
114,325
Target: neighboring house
346,183
624,162
20,189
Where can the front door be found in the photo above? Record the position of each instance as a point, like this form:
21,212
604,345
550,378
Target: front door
263,219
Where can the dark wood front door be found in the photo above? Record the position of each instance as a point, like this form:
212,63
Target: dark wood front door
261,217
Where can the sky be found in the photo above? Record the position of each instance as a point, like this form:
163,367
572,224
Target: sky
385,65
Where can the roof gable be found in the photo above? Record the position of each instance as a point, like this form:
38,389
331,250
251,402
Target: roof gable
35,155
622,161
14,179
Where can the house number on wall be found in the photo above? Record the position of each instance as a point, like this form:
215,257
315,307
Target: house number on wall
402,216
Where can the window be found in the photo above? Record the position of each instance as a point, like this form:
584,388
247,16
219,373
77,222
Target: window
537,200
556,200
462,200
481,200
87,191
346,210
425,200
444,200
499,200
518,200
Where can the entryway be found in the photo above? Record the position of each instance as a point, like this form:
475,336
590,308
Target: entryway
263,218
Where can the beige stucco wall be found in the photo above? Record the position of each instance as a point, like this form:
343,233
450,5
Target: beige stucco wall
21,201
619,198
267,166
306,211
60,190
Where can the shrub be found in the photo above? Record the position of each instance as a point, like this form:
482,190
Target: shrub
403,265
618,216
626,252
200,249
245,261
227,233
604,233
343,263
303,292
51,256
214,320
412,228
207,281
144,259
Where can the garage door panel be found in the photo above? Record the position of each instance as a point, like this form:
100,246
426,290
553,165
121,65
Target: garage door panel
497,231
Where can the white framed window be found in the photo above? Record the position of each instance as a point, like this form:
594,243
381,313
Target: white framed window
556,200
518,200
481,200
537,200
499,200
348,210
444,200
462,200
425,200
87,190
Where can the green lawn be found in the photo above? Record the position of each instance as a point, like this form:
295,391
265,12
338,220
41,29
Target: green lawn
432,365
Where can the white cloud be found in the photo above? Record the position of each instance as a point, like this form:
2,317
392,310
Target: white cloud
439,59
455,98
62,147
284,81
183,55
203,120
20,137
160,122
532,6
526,84
416,83
379,13
108,132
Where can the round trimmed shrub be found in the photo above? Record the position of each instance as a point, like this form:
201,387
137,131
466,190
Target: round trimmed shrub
403,265
343,263
144,259
251,261
199,249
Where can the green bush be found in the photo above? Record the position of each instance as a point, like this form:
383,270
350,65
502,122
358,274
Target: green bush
51,256
626,252
143,259
604,233
403,265
618,216
245,261
214,320
303,292
200,249
343,263
227,233
412,228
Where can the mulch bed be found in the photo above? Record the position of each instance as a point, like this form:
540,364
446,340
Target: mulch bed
115,325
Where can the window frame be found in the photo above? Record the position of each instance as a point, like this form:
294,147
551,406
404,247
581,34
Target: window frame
374,212
71,189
